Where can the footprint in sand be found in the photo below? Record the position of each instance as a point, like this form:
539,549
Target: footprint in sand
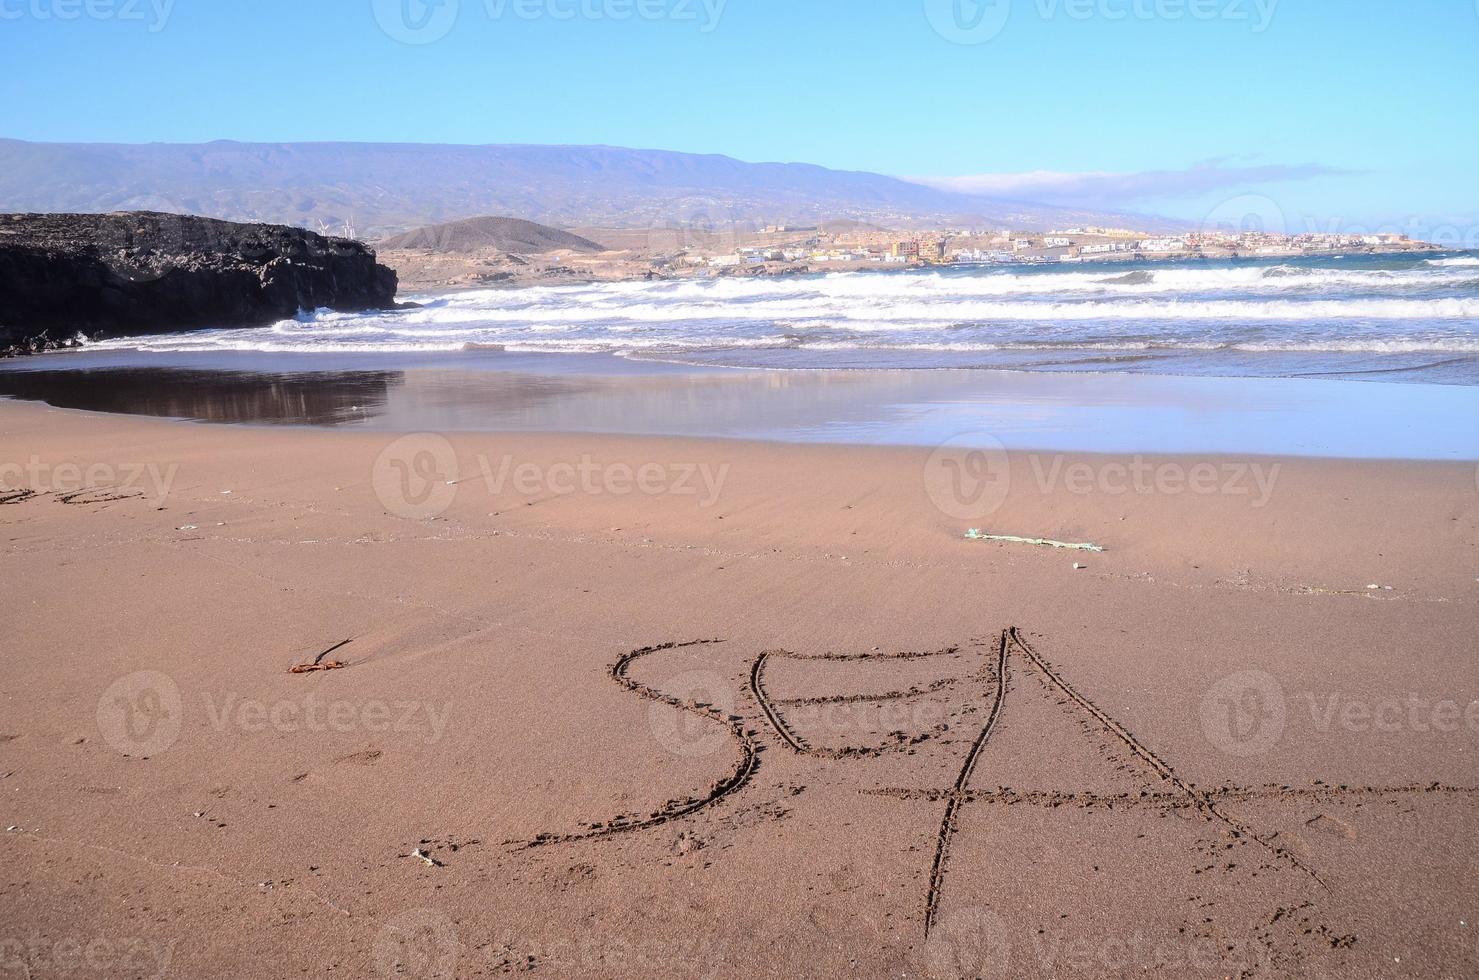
1331,827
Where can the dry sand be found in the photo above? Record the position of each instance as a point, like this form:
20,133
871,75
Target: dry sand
1212,751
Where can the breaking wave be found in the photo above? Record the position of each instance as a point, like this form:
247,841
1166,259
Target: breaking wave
1368,310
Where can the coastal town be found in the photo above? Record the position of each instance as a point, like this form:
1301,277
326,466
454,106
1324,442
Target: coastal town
709,251
779,248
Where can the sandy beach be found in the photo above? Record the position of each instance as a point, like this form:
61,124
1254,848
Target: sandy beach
943,521
623,706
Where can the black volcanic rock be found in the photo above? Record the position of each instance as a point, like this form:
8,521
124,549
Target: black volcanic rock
139,272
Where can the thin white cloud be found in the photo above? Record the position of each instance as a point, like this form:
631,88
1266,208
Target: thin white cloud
1109,189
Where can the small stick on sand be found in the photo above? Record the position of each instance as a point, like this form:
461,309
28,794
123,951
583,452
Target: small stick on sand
426,859
976,535
319,662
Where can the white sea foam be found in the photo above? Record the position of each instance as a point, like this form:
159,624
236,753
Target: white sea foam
1376,308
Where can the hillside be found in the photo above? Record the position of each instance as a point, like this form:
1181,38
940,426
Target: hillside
377,189
504,234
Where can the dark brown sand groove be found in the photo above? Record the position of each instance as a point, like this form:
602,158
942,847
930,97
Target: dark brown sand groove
952,807
94,495
1159,766
757,688
1183,795
798,744
1170,801
731,782
913,692
855,657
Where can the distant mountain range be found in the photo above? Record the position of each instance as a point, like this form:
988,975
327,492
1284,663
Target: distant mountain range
377,189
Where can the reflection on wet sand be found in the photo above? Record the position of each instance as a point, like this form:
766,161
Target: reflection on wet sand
1115,412
210,396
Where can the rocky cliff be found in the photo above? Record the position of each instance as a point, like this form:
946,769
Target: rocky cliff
142,272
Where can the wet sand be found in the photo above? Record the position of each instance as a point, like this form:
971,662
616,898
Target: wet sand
497,391
696,707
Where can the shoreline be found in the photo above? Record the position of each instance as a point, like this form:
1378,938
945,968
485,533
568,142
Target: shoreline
1012,488
1107,412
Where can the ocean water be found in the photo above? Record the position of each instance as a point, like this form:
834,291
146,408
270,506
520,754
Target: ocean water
1388,318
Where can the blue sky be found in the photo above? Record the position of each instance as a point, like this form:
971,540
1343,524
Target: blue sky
1352,112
